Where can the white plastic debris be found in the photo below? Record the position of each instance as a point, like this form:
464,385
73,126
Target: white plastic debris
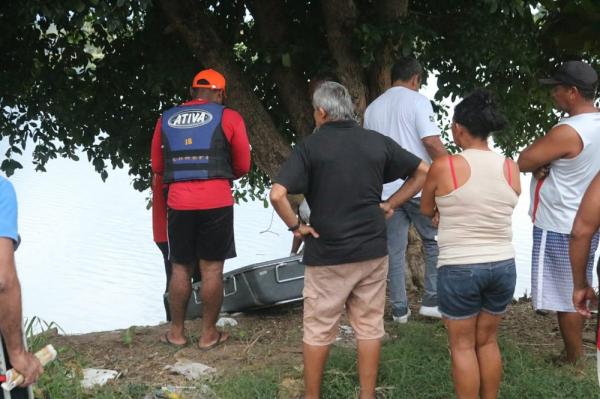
226,321
190,370
93,377
346,329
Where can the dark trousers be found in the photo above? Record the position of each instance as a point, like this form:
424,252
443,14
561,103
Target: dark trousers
164,249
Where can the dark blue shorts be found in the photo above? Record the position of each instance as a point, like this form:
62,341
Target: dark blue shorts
466,290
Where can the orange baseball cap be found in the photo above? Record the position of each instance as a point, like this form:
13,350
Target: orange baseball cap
209,79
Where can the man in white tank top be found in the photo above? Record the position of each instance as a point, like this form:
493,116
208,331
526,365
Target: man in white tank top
564,162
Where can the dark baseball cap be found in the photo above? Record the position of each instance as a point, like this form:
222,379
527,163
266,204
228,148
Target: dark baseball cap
574,73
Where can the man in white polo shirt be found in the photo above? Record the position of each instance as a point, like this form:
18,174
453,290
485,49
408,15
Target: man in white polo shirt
406,116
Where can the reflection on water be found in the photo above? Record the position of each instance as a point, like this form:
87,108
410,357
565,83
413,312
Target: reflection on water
88,261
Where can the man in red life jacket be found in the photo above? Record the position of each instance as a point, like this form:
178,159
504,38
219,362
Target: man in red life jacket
198,148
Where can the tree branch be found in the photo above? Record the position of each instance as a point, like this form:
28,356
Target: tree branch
269,149
340,21
388,13
271,22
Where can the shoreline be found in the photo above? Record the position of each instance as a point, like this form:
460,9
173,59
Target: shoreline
268,339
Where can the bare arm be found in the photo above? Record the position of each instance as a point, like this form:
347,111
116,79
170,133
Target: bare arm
428,207
10,297
410,187
280,202
11,317
296,242
295,201
586,224
515,175
434,146
560,142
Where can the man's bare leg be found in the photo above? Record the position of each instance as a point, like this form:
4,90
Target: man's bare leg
212,299
180,288
315,357
571,329
368,364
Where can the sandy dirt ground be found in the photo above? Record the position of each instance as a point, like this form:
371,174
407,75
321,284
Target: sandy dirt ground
266,338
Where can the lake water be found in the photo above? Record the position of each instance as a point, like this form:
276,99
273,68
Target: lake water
88,262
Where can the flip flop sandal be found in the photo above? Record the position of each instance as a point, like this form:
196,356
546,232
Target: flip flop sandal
218,342
165,340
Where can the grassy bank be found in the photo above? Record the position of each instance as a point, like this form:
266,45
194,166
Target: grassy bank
415,364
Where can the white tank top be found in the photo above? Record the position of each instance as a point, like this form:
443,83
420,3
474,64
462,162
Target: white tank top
476,218
555,199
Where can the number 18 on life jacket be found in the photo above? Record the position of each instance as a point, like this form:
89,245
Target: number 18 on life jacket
194,145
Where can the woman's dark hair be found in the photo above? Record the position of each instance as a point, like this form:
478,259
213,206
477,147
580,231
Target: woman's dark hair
479,113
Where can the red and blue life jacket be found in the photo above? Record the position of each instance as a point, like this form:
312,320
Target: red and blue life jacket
194,145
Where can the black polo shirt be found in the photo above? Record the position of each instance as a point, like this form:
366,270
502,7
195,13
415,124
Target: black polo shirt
341,169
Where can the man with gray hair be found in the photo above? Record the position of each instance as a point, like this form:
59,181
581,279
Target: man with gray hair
340,169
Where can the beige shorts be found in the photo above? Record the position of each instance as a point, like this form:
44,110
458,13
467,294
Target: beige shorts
360,286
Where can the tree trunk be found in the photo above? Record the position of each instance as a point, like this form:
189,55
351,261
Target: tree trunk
389,13
269,149
415,262
272,23
340,21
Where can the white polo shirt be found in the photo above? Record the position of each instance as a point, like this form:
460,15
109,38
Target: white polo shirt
407,117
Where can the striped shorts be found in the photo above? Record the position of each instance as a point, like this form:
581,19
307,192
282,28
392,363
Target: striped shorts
551,278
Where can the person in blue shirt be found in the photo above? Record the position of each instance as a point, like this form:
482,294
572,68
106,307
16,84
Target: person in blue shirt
10,290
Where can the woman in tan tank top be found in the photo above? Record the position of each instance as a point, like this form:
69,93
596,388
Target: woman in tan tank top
473,195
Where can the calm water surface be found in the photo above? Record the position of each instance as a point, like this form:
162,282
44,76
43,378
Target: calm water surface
88,261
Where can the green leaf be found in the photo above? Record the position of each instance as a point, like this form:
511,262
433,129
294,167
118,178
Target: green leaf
286,60
9,166
79,6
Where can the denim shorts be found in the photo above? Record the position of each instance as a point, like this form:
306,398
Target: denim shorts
466,290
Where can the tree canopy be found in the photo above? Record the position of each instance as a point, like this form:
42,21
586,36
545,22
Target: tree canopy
94,75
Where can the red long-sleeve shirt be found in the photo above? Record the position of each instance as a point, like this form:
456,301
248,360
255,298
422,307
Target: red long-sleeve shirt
200,194
159,210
